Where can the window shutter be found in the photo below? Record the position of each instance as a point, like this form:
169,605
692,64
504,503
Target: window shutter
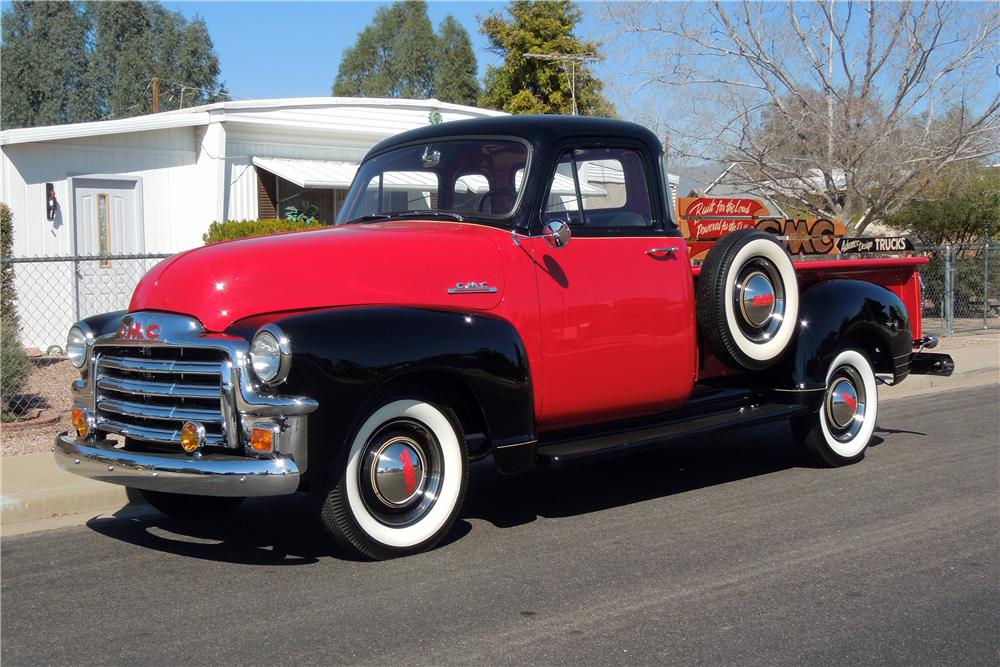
266,186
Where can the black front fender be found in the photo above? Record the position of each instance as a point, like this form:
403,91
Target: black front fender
103,324
341,357
836,314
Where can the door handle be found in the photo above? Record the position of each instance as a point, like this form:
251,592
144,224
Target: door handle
662,252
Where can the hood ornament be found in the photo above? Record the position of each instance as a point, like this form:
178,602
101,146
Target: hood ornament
472,288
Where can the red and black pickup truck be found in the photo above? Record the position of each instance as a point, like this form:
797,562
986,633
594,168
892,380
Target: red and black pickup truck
509,287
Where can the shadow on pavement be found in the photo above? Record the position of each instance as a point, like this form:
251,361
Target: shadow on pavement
594,487
286,531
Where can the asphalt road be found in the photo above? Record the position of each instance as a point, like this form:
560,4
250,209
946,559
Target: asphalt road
724,551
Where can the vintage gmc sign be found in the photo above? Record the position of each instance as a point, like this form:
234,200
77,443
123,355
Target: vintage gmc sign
704,220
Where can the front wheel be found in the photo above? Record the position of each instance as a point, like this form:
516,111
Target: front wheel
400,485
840,432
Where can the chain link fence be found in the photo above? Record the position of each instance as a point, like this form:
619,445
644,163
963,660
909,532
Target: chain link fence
52,294
961,286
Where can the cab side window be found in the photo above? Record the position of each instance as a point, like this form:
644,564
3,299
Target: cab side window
599,188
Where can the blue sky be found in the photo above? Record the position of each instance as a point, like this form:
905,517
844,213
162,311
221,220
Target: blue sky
292,49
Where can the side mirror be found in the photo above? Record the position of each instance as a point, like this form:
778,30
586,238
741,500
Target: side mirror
557,233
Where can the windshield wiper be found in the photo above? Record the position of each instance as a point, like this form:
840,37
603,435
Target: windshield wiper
428,213
369,218
403,215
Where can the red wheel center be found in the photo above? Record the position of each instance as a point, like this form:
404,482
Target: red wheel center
409,471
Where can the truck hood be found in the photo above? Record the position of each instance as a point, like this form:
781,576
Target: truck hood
391,263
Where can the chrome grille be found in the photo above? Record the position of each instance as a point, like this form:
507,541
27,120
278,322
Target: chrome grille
146,393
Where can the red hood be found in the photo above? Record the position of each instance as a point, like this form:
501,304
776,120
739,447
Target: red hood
391,263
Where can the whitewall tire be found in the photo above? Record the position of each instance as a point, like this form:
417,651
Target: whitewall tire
748,300
841,431
400,484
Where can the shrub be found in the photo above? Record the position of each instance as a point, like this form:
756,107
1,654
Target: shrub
7,293
241,229
307,214
14,368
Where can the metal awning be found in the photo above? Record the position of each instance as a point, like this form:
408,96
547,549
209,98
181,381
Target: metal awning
326,174
310,173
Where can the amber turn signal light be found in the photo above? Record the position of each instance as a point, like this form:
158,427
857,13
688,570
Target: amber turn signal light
262,439
192,437
81,422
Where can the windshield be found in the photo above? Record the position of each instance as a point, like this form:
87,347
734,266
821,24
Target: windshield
449,179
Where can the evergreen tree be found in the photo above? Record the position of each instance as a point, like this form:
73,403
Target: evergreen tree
455,75
395,56
135,42
121,46
527,85
399,55
44,62
66,62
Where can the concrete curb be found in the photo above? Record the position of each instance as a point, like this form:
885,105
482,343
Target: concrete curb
36,492
34,487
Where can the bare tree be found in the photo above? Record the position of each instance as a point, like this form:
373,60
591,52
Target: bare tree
844,109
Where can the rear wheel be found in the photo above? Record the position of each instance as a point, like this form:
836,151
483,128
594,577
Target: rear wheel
840,432
398,487
188,506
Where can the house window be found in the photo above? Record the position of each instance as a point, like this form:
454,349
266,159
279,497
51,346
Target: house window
103,229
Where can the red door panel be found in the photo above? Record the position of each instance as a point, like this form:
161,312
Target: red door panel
617,328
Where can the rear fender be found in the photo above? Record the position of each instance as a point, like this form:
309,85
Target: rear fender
835,314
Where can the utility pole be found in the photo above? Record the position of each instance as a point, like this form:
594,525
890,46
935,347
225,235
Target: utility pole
829,96
156,94
568,62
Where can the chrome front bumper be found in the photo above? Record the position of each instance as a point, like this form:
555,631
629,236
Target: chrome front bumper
209,475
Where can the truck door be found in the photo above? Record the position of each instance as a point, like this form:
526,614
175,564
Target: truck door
616,302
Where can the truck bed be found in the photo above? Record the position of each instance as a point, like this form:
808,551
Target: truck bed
897,274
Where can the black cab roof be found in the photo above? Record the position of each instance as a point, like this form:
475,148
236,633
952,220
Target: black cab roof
539,131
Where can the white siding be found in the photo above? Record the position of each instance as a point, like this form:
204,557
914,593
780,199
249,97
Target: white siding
161,159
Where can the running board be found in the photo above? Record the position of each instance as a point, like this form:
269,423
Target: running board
561,451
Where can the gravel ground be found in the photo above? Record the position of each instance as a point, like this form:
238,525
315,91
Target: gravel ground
47,389
49,385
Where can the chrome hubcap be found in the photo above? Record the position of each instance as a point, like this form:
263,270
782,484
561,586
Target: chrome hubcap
398,471
845,403
757,299
401,472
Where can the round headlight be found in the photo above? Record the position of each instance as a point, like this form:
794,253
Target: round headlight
269,361
76,347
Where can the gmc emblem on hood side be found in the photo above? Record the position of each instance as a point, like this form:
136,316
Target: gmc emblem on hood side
472,288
